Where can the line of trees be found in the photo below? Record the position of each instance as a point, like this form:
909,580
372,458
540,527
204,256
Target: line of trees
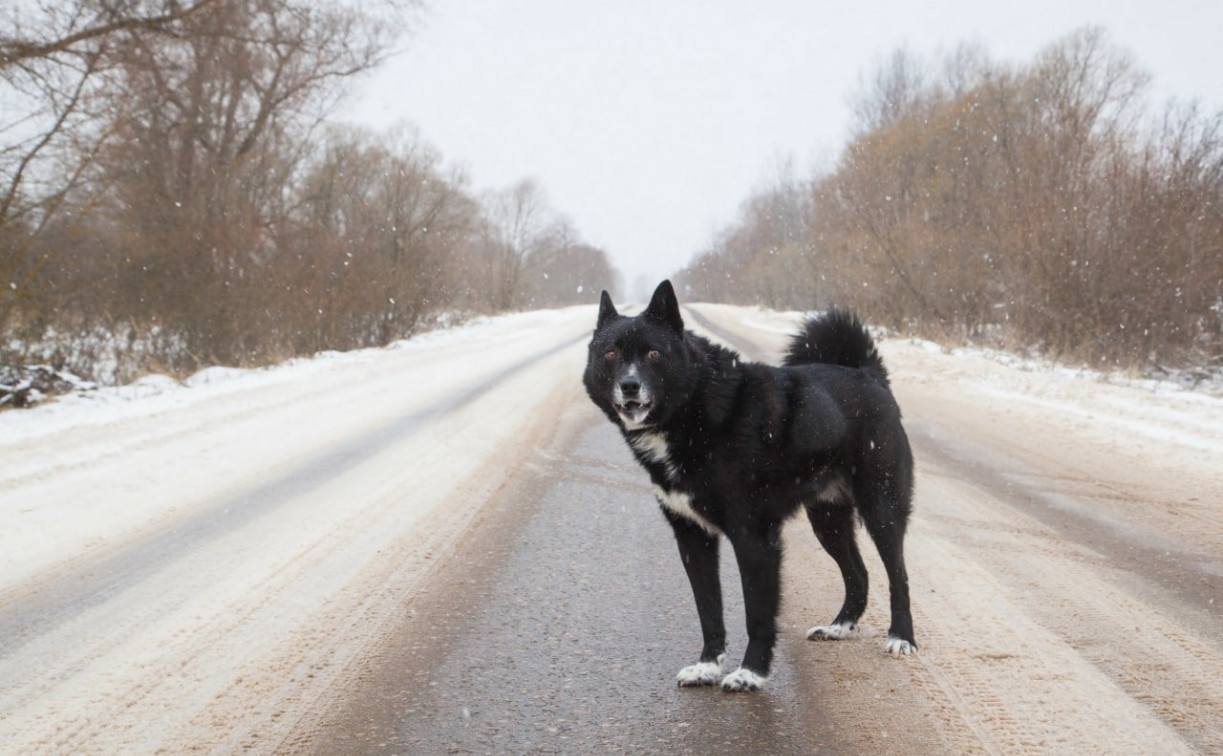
173,196
1040,206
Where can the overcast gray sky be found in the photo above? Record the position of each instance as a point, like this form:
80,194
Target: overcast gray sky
648,122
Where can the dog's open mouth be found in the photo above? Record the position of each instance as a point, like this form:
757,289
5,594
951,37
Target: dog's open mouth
634,411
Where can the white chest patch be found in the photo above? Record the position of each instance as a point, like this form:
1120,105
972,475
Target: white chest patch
681,504
653,446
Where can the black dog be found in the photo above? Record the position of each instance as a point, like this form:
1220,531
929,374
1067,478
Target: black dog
735,448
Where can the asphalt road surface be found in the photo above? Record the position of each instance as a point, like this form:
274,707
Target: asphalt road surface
560,629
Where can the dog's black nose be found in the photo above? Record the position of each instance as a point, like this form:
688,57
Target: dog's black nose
630,388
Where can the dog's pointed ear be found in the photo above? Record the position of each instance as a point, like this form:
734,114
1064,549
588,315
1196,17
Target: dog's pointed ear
607,310
664,307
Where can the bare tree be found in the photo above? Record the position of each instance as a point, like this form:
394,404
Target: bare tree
519,220
51,66
170,193
898,86
1030,206
212,126
563,270
385,221
170,135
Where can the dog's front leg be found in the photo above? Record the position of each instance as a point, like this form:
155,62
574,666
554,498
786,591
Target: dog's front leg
759,558
699,551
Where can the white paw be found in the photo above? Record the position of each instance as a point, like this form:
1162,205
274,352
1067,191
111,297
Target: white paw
701,673
742,680
838,631
899,647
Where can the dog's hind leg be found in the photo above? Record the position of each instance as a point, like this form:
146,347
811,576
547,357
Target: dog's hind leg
833,524
698,549
885,518
759,558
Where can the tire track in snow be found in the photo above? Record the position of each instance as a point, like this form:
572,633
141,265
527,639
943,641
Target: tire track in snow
1194,579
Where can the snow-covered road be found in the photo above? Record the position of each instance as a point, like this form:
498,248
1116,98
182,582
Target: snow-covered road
190,568
202,568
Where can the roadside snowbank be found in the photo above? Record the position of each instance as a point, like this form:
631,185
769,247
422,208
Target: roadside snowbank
89,404
1177,411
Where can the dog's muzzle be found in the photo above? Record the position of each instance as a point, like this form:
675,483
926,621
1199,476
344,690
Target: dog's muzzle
634,412
632,402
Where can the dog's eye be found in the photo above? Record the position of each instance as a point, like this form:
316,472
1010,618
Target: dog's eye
654,354
611,354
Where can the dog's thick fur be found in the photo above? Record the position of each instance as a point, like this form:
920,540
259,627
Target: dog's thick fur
734,448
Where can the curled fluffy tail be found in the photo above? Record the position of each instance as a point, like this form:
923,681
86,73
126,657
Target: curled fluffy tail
836,337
